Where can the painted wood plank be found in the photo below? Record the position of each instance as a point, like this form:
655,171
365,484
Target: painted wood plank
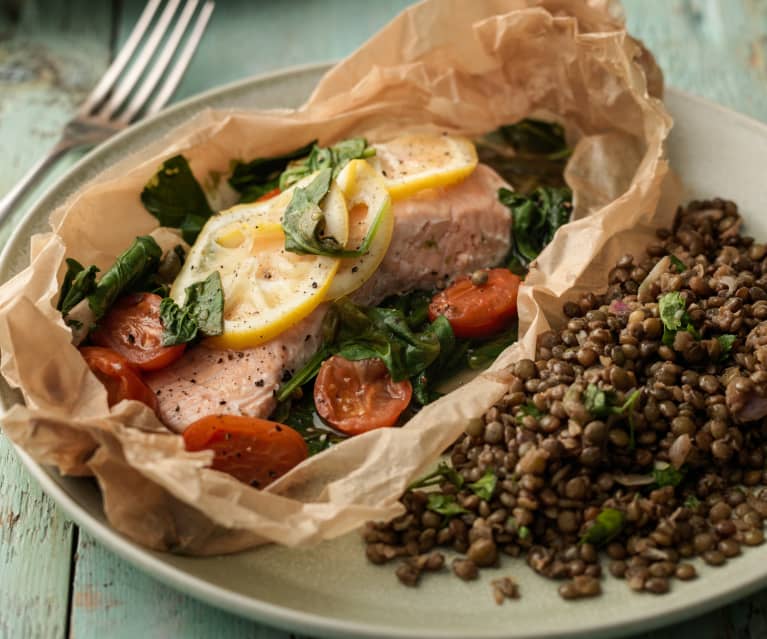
113,599
35,555
713,48
49,56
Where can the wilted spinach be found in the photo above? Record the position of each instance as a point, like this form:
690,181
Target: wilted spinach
202,312
176,199
534,219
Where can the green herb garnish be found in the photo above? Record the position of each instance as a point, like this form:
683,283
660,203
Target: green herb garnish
176,199
601,404
678,264
607,525
443,472
672,308
691,502
444,505
726,343
484,487
528,409
668,476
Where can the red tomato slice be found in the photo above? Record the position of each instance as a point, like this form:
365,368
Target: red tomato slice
255,451
269,195
118,376
132,328
356,397
478,310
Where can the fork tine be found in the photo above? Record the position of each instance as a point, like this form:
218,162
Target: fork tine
114,70
173,79
142,95
128,82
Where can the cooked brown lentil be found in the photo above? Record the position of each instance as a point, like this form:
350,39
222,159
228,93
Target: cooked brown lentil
676,449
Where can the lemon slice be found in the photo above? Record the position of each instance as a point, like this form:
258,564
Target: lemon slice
266,288
370,210
412,163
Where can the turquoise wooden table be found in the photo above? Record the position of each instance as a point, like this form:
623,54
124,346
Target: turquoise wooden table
56,581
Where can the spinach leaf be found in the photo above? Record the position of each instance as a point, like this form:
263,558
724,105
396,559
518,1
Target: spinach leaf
484,487
535,220
537,137
300,414
444,471
202,313
307,373
334,157
78,283
607,525
414,306
176,199
668,476
356,332
384,333
304,222
140,260
483,354
205,301
537,157
178,324
257,177
444,505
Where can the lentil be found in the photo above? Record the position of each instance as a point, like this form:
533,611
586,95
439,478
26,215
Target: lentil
684,405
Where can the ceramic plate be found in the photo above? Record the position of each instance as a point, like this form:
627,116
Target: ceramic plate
331,590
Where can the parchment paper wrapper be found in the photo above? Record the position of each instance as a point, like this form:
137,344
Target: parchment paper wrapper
449,65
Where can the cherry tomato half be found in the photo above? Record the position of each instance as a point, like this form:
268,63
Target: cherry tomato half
356,397
255,451
269,195
478,309
118,376
133,329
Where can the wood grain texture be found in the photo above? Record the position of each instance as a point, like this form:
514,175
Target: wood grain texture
50,56
113,599
713,48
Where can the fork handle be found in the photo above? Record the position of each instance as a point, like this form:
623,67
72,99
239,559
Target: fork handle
32,178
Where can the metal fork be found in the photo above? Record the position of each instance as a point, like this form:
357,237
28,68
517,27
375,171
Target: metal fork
110,108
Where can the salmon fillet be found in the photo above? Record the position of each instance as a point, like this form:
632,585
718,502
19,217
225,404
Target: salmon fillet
438,235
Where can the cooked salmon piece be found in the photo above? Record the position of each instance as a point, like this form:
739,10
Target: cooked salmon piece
212,381
438,235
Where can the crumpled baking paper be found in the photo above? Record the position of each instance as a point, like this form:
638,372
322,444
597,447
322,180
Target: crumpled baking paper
442,65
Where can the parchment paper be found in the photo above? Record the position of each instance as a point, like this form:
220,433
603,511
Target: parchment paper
447,65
